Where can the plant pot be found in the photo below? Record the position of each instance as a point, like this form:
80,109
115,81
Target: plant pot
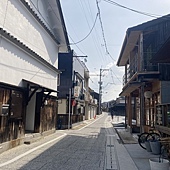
155,147
159,164
148,146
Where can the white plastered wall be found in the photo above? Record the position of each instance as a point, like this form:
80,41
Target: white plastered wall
62,106
16,64
18,21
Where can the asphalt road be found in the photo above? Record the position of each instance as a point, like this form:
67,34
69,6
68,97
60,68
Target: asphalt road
84,148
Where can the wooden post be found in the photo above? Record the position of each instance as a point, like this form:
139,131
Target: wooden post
142,108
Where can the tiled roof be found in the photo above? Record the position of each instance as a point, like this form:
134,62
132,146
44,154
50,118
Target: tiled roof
39,20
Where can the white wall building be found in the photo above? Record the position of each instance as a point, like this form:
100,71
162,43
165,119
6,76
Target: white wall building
32,33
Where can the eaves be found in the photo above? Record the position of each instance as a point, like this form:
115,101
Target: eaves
27,6
132,35
63,24
79,76
128,45
26,49
136,81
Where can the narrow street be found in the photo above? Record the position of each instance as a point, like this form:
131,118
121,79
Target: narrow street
76,149
89,147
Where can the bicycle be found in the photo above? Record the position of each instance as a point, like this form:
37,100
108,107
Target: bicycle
152,135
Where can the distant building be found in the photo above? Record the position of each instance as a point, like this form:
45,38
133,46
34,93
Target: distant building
117,106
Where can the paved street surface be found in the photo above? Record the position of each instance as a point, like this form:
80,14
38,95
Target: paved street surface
92,146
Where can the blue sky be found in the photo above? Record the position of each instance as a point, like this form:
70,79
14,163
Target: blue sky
80,17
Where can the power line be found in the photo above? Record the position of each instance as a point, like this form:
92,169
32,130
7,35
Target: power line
93,82
88,33
133,10
94,38
112,76
116,76
101,24
64,28
102,28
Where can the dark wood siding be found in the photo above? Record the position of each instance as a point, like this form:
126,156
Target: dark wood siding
164,69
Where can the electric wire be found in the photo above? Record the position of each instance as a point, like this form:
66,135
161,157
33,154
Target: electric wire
93,82
102,29
37,8
112,76
98,50
58,20
140,12
65,29
96,38
116,76
50,27
88,33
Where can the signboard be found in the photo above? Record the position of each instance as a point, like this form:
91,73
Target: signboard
74,102
76,91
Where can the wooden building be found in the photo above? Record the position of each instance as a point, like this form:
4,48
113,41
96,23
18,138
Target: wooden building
146,83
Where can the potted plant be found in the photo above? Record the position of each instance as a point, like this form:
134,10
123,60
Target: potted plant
155,146
159,163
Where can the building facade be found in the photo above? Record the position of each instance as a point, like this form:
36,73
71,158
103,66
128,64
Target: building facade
75,102
146,82
32,34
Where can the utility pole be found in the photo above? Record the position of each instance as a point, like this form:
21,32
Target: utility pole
100,88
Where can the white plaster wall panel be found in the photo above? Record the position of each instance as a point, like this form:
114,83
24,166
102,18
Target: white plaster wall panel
2,11
16,65
18,20
62,107
58,27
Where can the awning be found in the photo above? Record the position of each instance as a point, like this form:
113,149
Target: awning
33,85
130,88
128,45
33,88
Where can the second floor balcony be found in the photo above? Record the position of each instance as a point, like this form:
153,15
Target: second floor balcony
161,69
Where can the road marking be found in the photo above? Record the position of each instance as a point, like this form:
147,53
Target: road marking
30,151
